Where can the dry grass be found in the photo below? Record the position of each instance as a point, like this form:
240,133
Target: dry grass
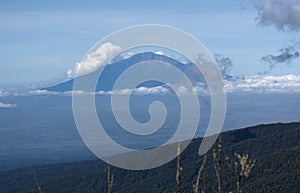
217,164
37,183
242,168
179,170
196,186
110,179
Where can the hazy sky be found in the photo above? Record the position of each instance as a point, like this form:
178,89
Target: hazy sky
41,40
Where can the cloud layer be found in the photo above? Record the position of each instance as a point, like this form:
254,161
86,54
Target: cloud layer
251,84
265,84
94,60
283,14
7,105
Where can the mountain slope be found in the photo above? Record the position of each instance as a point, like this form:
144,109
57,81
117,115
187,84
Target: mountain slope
276,147
112,71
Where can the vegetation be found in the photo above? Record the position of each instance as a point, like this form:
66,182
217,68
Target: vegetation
276,147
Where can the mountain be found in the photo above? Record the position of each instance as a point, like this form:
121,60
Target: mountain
275,147
112,71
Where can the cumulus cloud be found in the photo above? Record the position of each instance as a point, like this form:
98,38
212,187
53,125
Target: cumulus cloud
7,105
286,56
283,14
94,60
225,64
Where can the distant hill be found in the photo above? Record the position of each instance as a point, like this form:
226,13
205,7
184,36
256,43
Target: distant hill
275,147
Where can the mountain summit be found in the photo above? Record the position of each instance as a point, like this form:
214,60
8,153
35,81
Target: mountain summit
112,71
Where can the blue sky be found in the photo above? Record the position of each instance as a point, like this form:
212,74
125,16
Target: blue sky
40,41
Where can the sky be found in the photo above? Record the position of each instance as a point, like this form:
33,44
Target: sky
41,40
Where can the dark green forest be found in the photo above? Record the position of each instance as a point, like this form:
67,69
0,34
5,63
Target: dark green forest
274,147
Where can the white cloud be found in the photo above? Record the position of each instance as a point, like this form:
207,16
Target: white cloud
3,93
66,93
251,84
265,84
137,91
160,53
178,57
153,90
126,55
94,60
284,14
78,92
70,73
42,92
7,105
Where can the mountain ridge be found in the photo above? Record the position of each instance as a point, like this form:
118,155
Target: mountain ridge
112,71
275,147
